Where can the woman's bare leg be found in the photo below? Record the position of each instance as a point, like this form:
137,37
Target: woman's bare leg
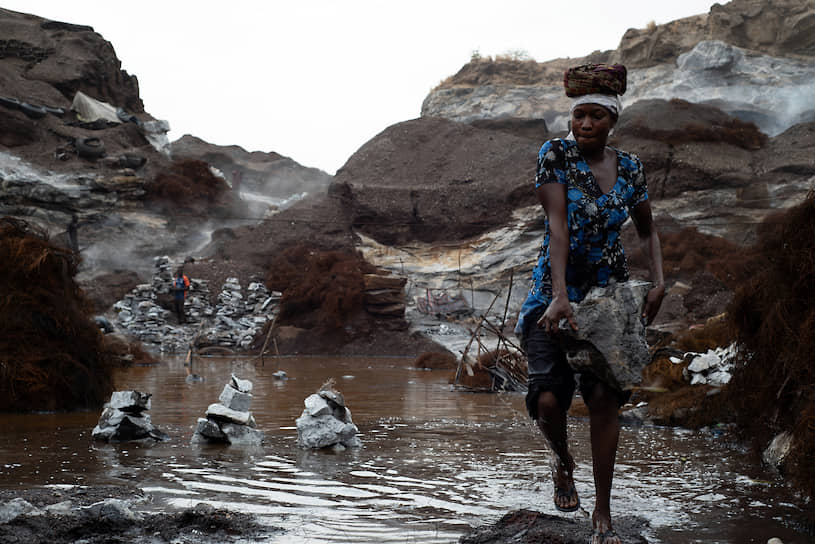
605,433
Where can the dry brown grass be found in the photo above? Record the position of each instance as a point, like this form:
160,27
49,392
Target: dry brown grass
51,352
321,289
687,252
730,130
774,313
188,186
436,360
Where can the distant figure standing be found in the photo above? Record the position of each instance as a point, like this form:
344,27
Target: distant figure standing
73,242
181,285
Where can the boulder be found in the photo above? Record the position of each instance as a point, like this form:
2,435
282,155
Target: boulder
326,422
230,420
219,411
242,435
778,450
234,399
11,510
610,340
317,406
130,401
323,431
209,429
244,386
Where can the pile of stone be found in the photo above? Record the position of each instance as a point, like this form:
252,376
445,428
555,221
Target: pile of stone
233,321
230,421
384,295
715,367
326,422
124,418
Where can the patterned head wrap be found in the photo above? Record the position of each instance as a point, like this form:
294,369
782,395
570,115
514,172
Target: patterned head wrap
595,79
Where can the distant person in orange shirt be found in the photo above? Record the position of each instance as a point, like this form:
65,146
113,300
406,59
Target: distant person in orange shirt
181,285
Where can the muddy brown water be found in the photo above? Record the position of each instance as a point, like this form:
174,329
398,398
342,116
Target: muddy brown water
435,462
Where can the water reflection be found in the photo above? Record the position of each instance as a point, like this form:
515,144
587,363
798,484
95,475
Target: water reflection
434,462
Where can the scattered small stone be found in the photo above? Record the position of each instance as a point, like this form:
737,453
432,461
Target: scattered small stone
11,510
715,367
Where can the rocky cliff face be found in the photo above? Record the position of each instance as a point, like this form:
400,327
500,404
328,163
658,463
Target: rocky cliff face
109,175
263,179
46,62
751,59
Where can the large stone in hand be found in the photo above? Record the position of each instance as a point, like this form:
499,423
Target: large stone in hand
610,340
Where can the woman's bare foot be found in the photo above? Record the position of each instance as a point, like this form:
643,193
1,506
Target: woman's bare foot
603,532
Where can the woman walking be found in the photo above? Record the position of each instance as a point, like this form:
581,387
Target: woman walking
588,190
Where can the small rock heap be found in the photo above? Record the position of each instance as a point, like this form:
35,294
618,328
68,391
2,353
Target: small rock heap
326,421
233,321
714,367
230,420
124,418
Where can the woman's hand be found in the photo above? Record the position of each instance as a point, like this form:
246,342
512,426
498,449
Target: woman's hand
653,300
558,309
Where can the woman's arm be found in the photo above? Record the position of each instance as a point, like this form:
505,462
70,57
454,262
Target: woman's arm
553,198
647,231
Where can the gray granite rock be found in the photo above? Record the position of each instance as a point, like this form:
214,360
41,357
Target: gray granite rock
130,401
242,435
219,411
610,340
209,429
244,386
317,406
11,510
234,399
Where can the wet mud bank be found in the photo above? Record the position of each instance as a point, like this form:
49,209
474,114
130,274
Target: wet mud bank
108,514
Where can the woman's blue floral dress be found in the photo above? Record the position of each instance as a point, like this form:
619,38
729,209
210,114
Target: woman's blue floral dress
594,219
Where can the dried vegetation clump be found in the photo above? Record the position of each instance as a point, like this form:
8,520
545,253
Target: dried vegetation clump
321,289
687,252
436,360
188,186
773,389
51,353
728,130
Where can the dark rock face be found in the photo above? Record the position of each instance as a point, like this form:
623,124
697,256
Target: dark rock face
431,179
47,62
269,174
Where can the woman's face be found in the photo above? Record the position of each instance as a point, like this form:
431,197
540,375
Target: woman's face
591,124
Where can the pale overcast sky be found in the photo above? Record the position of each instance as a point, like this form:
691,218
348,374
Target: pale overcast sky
316,79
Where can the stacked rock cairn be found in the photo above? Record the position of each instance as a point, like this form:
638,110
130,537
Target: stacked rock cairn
230,421
326,421
125,418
